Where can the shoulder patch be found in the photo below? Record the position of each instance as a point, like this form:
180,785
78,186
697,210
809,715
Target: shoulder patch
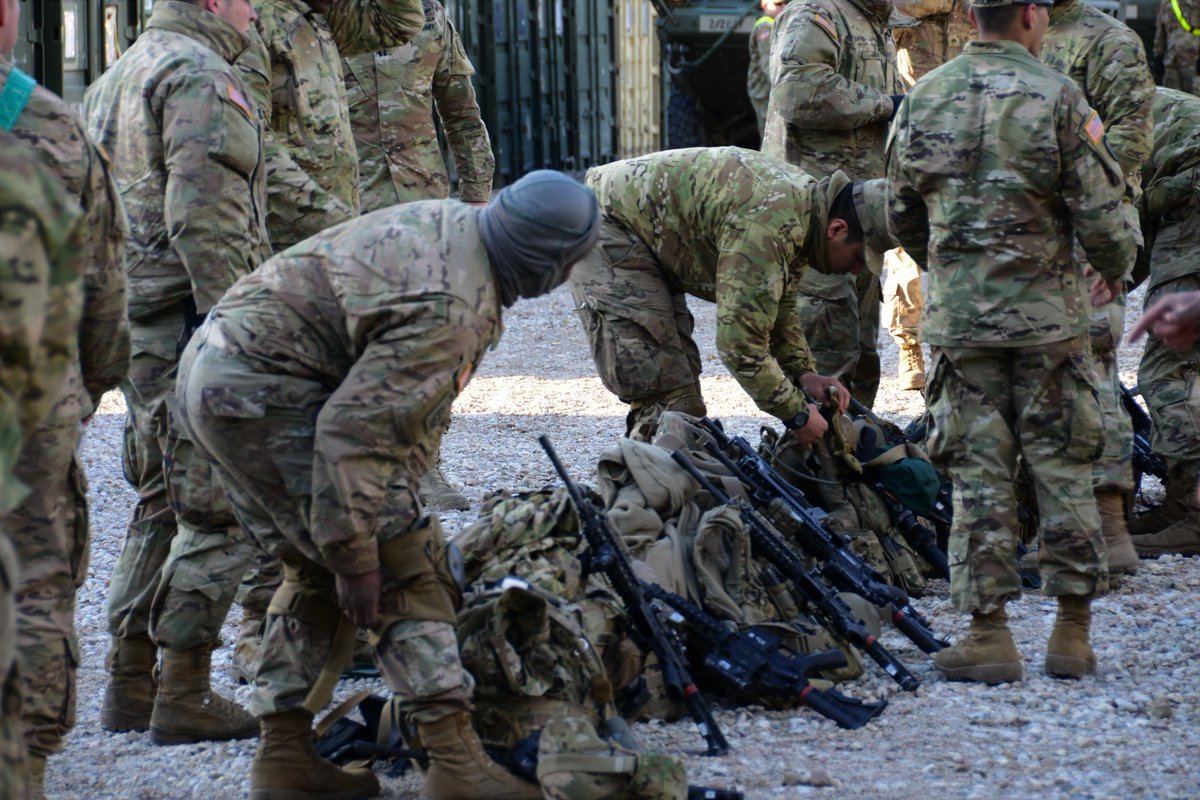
1094,128
827,25
238,100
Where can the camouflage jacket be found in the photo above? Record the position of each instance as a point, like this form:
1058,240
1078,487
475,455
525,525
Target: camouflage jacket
312,165
999,251
1171,175
41,279
187,157
392,96
56,133
731,226
833,71
1108,62
386,316
758,74
931,41
1177,48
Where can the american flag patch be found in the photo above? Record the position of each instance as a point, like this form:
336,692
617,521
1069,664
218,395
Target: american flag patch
238,100
827,25
1094,128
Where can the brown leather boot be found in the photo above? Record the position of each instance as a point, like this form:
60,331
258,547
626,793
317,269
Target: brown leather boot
1122,558
1179,499
460,769
438,495
129,697
987,655
1179,538
1069,654
912,367
187,710
287,767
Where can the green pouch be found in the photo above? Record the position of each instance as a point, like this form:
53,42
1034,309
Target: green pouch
913,481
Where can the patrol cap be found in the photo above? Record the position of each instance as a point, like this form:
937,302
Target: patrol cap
871,206
998,3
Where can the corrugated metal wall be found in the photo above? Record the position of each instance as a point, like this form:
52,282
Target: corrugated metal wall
639,79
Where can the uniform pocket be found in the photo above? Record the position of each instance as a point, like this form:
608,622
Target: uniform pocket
1083,422
947,433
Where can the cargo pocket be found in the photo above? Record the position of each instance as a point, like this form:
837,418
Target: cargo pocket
637,353
947,433
80,554
1083,422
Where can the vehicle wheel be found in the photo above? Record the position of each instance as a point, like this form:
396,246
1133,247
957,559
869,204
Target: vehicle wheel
684,126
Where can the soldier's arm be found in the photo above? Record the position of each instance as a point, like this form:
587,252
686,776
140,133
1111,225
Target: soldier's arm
806,89
908,215
1122,91
758,83
378,430
104,345
751,285
360,26
1160,28
454,95
210,145
1093,188
24,291
296,203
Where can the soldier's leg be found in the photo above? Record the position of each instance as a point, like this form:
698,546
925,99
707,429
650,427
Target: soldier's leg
865,383
828,307
903,299
972,437
12,739
254,595
639,330
1062,430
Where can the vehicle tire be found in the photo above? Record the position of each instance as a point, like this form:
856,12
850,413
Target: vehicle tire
684,125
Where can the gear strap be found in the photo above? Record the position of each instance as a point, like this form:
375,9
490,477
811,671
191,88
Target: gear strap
1183,20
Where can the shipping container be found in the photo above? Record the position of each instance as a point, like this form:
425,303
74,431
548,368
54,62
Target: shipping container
639,79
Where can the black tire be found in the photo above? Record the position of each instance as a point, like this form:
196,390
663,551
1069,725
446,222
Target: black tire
685,128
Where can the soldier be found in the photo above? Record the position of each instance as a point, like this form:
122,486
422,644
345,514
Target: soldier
1170,212
1174,319
350,350
1176,61
834,89
393,95
312,164
41,232
758,75
187,157
1106,59
1006,315
728,225
50,526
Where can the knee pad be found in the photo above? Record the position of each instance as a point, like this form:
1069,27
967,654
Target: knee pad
423,577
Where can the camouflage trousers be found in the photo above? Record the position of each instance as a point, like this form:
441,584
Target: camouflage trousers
990,406
1170,384
639,328
1182,77
829,306
1113,470
902,298
12,739
258,431
184,555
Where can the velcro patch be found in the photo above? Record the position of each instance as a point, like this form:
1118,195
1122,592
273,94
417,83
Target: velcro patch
827,25
1094,128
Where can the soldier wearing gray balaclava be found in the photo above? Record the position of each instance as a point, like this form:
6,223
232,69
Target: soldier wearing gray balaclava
319,387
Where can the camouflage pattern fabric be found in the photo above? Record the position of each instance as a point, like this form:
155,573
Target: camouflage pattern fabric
758,74
902,298
312,165
1170,174
931,41
1178,49
49,528
723,224
828,306
574,763
393,94
990,405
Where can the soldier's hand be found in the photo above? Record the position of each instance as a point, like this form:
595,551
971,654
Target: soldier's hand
1102,292
815,385
815,429
1174,320
358,595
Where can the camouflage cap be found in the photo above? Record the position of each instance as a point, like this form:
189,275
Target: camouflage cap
871,205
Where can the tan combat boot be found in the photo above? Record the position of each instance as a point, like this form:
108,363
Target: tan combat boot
1178,538
1068,654
987,655
188,710
438,495
1181,488
248,650
1122,558
37,777
129,697
912,367
460,769
287,767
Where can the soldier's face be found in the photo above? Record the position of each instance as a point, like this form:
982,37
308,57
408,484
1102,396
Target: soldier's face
1040,20
10,24
843,256
238,13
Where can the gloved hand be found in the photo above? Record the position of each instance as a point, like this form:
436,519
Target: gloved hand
897,99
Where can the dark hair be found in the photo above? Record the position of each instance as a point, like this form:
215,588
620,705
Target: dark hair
843,209
997,19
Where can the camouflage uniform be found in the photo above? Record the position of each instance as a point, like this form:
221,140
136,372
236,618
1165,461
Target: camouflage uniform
1176,48
349,349
1007,312
758,75
312,165
938,32
1108,62
41,233
50,526
833,71
392,96
187,157
723,224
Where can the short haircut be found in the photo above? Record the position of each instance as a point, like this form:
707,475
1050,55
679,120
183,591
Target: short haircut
997,19
843,209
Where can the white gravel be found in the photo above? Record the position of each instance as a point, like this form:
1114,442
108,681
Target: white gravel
1131,730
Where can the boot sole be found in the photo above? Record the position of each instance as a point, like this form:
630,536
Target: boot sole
300,794
124,723
1150,551
984,673
1068,667
162,737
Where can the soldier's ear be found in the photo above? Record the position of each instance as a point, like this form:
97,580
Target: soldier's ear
837,230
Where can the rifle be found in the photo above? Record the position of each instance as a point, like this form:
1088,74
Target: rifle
755,661
830,610
1145,460
837,562
607,552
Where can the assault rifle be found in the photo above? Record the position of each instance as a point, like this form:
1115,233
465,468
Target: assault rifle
754,661
607,553
831,611
838,564
1145,460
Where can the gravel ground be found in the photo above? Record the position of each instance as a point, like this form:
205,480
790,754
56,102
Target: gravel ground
1130,730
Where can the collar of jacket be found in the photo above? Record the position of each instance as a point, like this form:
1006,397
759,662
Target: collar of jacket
1007,46
203,26
880,11
1064,8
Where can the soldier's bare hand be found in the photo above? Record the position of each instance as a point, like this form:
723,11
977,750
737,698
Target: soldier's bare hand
358,595
1174,320
815,385
815,428
1103,292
